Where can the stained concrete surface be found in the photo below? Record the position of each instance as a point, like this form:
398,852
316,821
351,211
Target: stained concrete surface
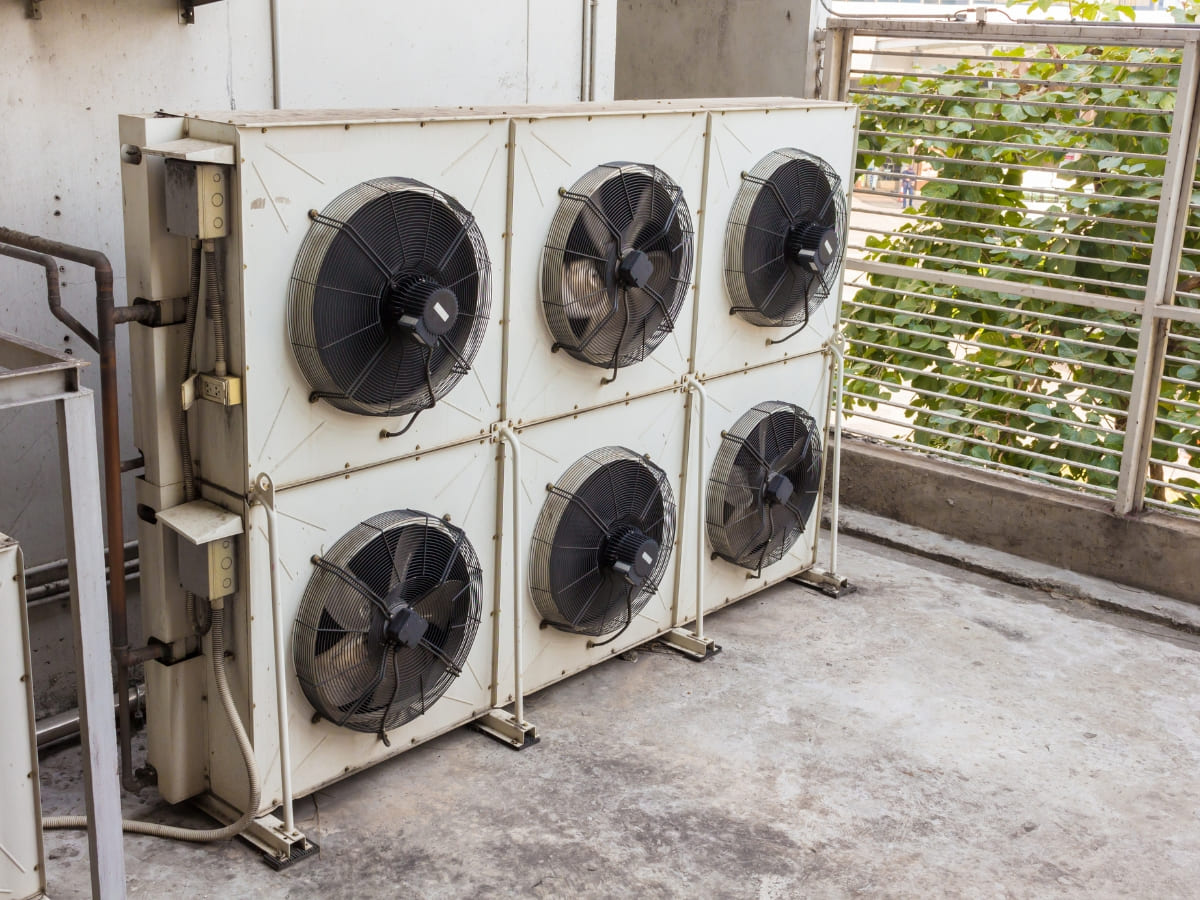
936,733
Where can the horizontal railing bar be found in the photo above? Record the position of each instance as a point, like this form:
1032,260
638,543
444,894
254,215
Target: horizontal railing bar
979,442
1174,486
1019,432
990,285
1010,391
991,248
975,204
1147,111
1009,79
1020,167
1022,189
1017,127
1004,145
1082,486
1179,404
1165,442
919,53
1176,508
1010,229
982,404
966,342
996,307
1028,31
999,267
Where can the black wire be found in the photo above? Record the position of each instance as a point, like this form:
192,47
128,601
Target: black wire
624,628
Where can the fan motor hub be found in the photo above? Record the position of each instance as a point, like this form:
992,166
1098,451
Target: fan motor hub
778,489
634,269
813,245
405,628
420,306
632,553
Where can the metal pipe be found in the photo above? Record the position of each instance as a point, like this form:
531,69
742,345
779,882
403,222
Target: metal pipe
263,497
65,726
592,51
276,87
507,434
694,384
53,296
585,50
838,347
106,321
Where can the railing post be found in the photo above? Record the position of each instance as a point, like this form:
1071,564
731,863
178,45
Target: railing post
1177,181
834,74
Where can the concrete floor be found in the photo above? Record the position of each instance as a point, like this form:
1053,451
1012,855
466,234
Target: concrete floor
937,733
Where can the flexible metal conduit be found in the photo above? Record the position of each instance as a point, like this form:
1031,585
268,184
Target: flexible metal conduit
108,316
199,835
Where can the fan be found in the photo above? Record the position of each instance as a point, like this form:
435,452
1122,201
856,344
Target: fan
616,265
389,298
387,621
785,240
763,485
602,543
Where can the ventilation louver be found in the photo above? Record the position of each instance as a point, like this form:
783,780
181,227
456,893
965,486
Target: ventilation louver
785,239
602,542
387,621
389,298
763,485
616,265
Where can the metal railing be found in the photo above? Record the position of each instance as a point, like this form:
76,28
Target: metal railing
1021,287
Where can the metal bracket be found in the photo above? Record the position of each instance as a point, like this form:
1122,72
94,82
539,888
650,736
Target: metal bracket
263,490
33,9
828,583
502,726
280,848
187,10
685,642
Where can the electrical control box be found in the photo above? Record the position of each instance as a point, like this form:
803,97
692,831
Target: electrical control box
197,199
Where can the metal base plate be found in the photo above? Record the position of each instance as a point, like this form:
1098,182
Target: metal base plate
694,648
280,849
500,725
828,583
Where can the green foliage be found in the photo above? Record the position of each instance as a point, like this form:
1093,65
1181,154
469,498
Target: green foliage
1031,376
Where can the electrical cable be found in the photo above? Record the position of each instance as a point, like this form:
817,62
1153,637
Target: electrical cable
198,835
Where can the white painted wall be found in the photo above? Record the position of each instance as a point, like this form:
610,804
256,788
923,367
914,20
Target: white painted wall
64,79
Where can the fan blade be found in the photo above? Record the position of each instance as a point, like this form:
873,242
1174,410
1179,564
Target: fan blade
584,294
599,232
407,544
641,217
436,606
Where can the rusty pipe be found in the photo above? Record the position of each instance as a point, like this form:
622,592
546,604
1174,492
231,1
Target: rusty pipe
106,346
53,297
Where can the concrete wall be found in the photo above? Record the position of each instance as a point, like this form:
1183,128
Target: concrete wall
65,77
1152,551
715,48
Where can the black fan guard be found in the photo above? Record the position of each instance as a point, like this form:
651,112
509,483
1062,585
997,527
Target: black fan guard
617,264
389,298
763,485
387,621
785,240
602,543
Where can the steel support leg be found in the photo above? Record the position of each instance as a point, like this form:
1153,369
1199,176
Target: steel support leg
93,660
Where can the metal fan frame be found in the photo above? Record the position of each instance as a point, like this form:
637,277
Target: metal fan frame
632,346
327,226
760,552
819,288
565,495
334,574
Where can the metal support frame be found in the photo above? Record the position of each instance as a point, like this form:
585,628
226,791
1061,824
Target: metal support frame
510,728
280,846
33,374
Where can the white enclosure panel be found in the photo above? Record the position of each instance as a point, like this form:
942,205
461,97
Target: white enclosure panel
552,154
738,140
651,425
22,870
804,381
458,482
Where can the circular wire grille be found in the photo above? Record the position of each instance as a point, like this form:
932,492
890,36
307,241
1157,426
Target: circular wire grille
397,568
363,249
617,264
763,484
599,501
785,239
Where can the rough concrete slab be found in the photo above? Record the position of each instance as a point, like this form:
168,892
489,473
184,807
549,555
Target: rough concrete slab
936,733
